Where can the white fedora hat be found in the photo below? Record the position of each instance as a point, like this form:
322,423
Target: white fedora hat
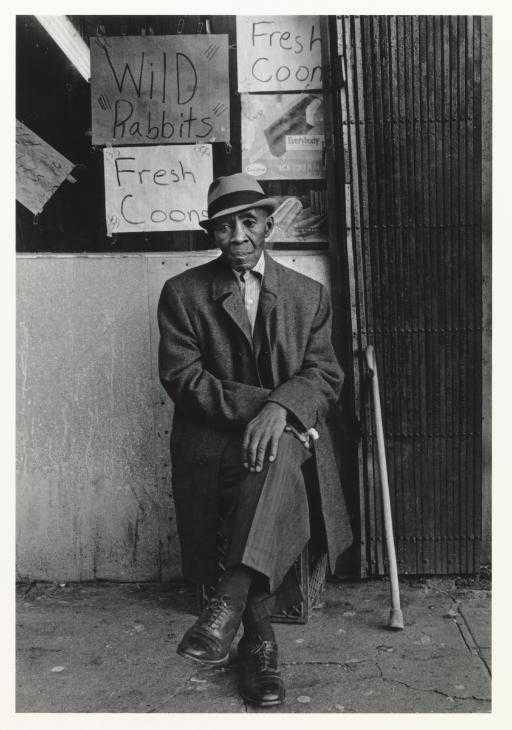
233,193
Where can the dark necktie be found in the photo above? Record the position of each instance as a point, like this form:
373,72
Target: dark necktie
260,340
262,351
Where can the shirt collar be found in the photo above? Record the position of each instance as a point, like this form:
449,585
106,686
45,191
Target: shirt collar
258,268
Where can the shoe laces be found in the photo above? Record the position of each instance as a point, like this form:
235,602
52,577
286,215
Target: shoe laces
216,611
265,654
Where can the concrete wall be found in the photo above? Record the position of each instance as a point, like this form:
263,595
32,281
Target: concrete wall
93,473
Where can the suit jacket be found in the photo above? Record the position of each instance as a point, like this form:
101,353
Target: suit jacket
209,369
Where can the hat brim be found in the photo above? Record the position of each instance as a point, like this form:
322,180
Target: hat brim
272,203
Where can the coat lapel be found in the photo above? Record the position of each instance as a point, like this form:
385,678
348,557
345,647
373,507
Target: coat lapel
234,307
267,303
225,288
269,290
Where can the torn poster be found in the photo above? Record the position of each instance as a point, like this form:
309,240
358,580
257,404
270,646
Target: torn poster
283,136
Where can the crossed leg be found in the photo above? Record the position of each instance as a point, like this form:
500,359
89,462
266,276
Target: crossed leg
265,521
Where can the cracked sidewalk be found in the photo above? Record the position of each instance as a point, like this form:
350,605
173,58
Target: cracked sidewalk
110,647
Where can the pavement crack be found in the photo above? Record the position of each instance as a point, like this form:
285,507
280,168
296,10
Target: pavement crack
171,696
478,651
471,649
484,662
475,648
389,680
346,665
32,584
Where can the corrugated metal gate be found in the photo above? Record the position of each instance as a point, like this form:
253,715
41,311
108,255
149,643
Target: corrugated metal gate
410,104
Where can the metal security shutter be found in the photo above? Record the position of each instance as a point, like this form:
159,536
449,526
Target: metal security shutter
411,106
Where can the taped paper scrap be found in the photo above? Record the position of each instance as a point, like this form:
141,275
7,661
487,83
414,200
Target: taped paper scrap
40,169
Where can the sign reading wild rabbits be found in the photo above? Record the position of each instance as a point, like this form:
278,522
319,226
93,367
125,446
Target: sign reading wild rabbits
159,89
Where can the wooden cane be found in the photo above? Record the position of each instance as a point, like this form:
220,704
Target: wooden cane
396,619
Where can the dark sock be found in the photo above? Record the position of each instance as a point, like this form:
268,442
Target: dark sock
235,583
259,608
257,631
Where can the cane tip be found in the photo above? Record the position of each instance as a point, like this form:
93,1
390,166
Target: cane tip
396,619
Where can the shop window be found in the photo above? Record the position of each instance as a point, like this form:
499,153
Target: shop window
54,101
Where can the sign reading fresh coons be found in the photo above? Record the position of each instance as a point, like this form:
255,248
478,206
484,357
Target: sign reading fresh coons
160,188
278,53
159,89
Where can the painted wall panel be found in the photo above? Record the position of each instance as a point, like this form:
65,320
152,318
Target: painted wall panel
93,474
88,505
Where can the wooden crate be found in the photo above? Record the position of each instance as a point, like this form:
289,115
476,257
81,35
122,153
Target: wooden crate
311,573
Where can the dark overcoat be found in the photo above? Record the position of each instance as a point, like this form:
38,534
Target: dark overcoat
208,367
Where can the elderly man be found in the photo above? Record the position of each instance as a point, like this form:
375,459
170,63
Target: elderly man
246,356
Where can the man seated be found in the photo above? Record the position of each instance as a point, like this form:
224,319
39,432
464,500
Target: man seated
246,356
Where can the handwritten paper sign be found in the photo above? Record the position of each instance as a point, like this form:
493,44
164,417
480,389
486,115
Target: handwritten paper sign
156,188
40,170
283,136
159,89
278,52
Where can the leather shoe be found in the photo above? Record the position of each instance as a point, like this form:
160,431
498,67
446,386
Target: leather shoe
209,640
260,681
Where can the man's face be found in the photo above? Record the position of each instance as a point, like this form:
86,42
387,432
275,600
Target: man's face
241,236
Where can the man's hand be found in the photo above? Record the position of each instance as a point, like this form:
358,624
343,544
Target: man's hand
262,433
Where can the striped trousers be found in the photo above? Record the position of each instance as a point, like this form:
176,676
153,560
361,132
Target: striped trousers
264,519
